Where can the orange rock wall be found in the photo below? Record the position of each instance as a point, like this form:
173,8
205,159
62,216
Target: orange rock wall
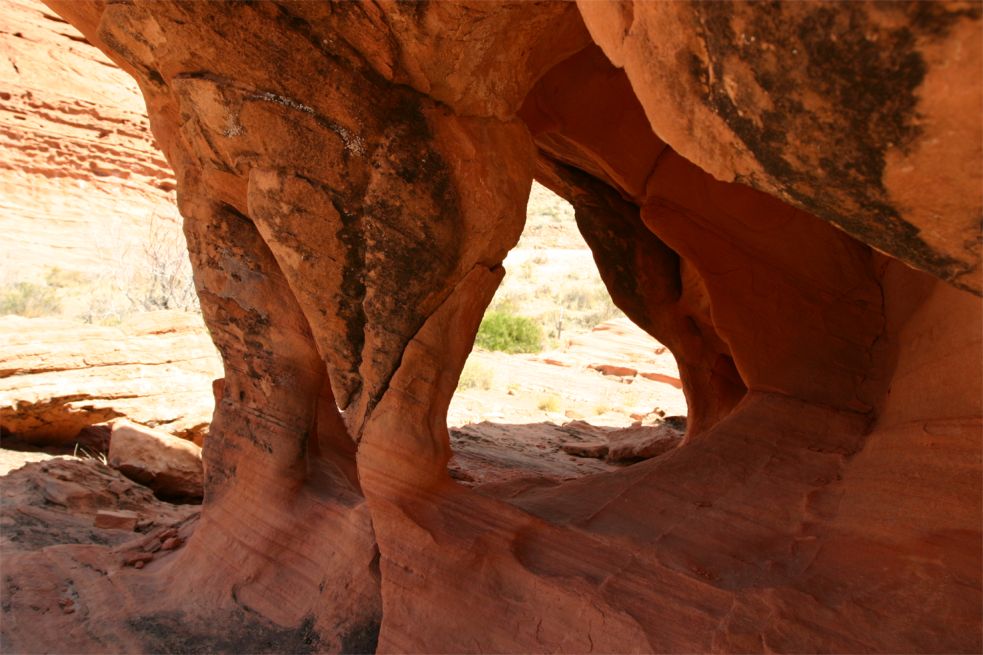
351,177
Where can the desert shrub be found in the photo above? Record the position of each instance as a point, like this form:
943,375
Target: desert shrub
509,333
476,376
549,403
59,278
139,275
579,299
604,312
29,299
168,282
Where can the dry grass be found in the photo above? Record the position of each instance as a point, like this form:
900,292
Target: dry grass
154,274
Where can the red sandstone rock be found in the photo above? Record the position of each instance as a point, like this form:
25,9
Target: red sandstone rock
617,371
76,152
628,444
493,452
168,465
138,560
642,442
351,177
586,449
711,79
118,520
57,377
67,501
171,543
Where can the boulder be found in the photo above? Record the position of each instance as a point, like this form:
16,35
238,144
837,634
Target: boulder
77,501
630,444
642,442
117,520
167,464
595,449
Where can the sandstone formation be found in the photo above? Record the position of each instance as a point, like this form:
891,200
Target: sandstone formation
76,151
351,177
68,501
631,444
57,376
167,464
492,453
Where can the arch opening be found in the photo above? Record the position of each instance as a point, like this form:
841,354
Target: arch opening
560,382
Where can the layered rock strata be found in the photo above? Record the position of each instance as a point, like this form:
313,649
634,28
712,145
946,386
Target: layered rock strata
58,377
76,152
351,177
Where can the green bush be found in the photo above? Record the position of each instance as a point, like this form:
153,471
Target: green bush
509,333
29,299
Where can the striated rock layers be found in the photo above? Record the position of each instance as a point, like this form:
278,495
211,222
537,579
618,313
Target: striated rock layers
786,196
76,152
58,377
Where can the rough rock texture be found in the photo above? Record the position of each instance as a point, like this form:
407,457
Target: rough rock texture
59,501
167,464
76,151
492,453
351,176
840,111
57,376
642,442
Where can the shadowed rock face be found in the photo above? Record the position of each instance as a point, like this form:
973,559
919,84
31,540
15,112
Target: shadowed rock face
351,177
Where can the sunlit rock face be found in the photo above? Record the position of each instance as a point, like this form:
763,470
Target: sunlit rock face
756,185
75,152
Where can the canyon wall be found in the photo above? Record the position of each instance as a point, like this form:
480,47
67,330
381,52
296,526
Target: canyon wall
786,197
76,153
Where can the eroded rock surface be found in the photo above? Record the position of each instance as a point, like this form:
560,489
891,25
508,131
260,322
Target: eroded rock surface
59,501
351,177
76,152
59,376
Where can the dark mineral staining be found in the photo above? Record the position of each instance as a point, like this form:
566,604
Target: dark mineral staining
868,76
172,632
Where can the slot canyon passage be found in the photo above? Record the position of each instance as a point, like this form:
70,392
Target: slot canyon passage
786,195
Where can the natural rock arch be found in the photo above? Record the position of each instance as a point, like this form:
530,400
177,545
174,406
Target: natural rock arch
351,177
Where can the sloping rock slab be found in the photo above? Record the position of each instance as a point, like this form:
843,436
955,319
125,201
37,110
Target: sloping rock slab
57,377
